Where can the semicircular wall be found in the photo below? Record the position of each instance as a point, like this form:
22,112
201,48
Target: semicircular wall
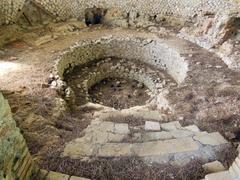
151,51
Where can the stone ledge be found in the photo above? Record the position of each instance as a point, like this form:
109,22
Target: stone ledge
159,148
212,139
225,175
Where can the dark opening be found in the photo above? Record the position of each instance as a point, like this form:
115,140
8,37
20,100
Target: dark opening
94,15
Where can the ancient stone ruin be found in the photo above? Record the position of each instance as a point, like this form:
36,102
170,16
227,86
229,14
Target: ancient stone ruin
119,89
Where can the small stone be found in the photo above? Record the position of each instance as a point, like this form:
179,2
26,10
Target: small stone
118,83
230,135
13,58
140,85
152,126
213,167
218,67
54,84
136,93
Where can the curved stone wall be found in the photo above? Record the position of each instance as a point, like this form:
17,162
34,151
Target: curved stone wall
15,160
75,8
151,51
9,10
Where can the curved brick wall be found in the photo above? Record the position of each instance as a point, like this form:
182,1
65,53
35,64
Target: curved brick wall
75,8
9,10
15,160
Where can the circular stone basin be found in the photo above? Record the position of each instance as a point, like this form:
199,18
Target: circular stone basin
110,83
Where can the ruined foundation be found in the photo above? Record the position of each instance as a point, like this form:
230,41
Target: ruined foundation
150,91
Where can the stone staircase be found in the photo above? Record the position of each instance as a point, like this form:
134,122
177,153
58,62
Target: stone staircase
153,142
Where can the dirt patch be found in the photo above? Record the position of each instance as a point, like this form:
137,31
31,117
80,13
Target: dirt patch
130,120
124,168
119,93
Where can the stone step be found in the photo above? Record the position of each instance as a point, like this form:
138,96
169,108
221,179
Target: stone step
174,125
235,171
237,160
224,175
50,175
156,149
160,148
165,135
213,167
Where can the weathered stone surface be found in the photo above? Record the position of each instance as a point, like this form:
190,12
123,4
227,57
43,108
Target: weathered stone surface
235,170
115,150
159,148
116,137
213,167
42,173
78,178
213,139
153,136
171,126
192,128
152,126
77,149
56,176
121,128
181,133
225,175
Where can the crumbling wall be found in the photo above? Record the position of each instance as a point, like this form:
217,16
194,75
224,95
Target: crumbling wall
63,9
15,160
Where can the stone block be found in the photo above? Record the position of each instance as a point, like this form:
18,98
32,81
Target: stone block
42,173
192,128
78,178
181,133
121,128
224,175
213,167
159,148
56,176
116,137
115,150
153,136
171,126
152,126
212,139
